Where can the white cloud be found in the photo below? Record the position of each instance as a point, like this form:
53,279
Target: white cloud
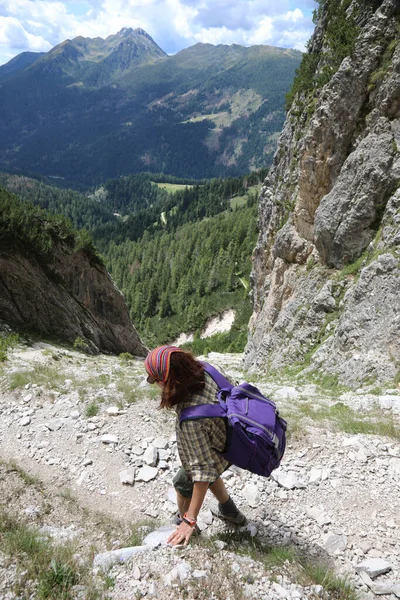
174,24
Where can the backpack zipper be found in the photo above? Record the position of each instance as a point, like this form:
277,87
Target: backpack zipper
248,393
273,436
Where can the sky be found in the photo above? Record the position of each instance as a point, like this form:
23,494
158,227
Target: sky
39,25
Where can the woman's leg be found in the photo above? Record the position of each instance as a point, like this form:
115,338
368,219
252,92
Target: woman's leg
219,490
183,503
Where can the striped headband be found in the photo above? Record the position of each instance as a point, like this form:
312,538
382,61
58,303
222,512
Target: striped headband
157,362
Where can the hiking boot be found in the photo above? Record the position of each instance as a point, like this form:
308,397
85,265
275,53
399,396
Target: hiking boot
229,513
177,519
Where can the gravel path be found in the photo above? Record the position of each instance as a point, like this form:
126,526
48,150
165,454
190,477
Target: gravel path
335,498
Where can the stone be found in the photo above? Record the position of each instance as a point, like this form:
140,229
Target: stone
106,560
159,536
199,574
146,474
286,393
150,456
374,567
180,572
396,590
281,591
252,495
288,480
380,589
25,421
127,477
334,543
319,515
318,475
109,439
54,424
113,411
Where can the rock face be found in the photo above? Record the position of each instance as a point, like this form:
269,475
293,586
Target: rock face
326,274
71,296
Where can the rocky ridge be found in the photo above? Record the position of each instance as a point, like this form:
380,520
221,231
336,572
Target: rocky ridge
89,428
326,267
70,297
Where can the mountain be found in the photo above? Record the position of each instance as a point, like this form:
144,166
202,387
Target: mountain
53,284
91,109
326,269
18,64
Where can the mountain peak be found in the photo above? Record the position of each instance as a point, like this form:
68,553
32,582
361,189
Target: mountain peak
125,31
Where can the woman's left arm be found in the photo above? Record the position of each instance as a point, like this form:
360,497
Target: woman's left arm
184,532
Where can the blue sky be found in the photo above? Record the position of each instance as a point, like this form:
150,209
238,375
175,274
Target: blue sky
38,25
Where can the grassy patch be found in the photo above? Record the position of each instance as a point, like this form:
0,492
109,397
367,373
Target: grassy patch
6,343
171,188
348,420
45,571
139,531
92,409
13,467
43,375
320,574
128,390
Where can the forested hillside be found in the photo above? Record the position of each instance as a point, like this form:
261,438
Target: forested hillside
207,111
178,257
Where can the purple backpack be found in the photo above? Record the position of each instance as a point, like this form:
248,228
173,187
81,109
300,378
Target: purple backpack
255,431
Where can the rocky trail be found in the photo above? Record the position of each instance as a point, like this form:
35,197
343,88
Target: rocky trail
88,460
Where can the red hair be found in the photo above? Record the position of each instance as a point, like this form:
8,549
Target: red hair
186,377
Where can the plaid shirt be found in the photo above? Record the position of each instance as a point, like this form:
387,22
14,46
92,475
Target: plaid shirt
198,440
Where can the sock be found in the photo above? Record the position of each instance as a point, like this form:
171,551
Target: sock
228,507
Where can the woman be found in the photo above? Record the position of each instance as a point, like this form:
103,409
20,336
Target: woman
184,383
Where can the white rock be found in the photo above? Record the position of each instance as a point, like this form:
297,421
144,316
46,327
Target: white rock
27,398
396,590
109,439
127,476
25,421
286,393
54,424
394,466
146,474
160,443
106,560
318,475
178,573
379,589
199,574
334,543
159,536
75,414
252,495
171,494
288,480
281,591
137,450
150,456
113,411
374,567
319,515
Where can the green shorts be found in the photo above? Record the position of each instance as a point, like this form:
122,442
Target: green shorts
183,483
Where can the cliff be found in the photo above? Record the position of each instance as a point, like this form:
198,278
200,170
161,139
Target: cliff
326,275
52,286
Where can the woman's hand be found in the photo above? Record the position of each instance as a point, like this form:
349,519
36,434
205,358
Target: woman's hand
181,535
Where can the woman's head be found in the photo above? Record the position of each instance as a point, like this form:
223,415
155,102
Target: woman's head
178,371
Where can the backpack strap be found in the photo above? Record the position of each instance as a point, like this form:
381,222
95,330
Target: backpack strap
202,411
209,411
223,384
